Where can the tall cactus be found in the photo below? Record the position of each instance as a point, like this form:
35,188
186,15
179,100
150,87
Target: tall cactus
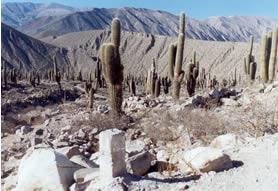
112,67
176,74
5,75
151,79
268,56
264,74
56,73
273,55
191,75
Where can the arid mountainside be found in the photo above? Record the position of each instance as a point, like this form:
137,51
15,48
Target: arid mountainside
42,20
138,49
23,52
80,50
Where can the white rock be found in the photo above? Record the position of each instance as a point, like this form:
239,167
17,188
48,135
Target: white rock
112,154
162,155
83,161
25,129
67,128
10,182
139,164
79,175
229,102
205,159
225,142
69,151
95,158
135,147
45,169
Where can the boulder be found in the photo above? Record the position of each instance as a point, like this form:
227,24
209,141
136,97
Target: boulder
39,132
112,154
139,164
205,159
214,93
45,169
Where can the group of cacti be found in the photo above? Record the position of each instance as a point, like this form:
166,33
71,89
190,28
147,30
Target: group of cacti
250,66
268,56
191,75
110,71
153,84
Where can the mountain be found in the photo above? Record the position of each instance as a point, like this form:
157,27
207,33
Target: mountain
235,28
22,52
15,14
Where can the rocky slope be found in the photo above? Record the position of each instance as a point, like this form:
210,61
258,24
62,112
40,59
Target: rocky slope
72,130
26,53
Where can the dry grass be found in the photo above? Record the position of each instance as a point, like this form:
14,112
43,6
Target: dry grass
159,126
261,119
102,122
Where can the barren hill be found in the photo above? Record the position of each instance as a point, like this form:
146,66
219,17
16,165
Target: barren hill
138,49
24,52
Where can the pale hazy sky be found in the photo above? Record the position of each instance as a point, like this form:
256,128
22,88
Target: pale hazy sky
192,8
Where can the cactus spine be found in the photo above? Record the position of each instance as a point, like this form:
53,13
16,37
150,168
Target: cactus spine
112,67
176,56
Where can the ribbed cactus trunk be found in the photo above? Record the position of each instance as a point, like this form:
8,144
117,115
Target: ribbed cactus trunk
171,61
264,74
273,55
268,56
175,71
112,67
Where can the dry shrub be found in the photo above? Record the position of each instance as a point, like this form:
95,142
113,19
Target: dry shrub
261,119
159,126
202,125
102,122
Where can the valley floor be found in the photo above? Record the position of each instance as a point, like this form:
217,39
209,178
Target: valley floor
165,129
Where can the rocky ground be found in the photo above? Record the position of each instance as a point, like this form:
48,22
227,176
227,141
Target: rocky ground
176,146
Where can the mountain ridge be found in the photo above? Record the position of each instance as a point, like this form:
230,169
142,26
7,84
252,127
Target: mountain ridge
26,53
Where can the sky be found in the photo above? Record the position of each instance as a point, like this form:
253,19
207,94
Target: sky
200,9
